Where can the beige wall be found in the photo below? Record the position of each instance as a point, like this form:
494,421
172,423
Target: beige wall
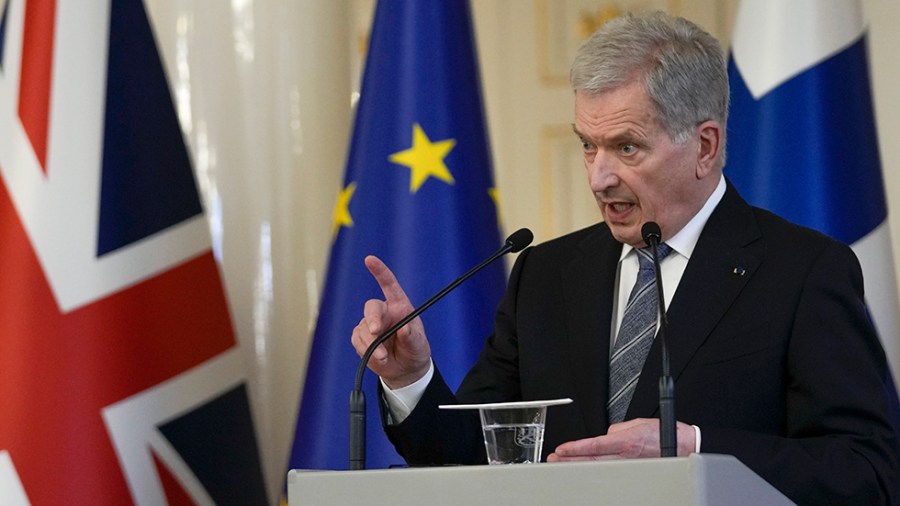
884,65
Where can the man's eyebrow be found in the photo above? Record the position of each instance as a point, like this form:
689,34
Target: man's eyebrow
628,134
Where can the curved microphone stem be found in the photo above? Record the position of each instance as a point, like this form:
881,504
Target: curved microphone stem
668,442
514,243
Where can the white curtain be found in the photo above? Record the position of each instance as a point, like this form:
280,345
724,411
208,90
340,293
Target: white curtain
262,90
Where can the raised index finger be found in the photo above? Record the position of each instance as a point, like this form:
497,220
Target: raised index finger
390,287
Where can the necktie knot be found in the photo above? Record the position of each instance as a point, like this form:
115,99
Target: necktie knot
645,256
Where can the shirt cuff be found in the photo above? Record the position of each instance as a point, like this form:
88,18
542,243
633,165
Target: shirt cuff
402,401
696,439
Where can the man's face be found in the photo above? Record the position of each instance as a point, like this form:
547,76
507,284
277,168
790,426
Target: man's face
636,172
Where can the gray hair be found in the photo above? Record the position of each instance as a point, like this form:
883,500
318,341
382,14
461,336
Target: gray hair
682,67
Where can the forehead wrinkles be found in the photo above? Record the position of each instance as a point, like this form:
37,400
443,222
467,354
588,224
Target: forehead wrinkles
600,124
615,112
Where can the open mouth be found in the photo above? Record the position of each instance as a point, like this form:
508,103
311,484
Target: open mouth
619,210
621,207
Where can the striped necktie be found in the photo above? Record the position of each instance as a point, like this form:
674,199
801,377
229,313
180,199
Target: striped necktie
635,335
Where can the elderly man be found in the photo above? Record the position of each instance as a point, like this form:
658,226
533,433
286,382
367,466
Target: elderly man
774,358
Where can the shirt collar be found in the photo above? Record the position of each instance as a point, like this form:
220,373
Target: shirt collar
686,239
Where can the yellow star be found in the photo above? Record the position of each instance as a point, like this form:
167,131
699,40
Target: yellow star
494,193
342,216
425,158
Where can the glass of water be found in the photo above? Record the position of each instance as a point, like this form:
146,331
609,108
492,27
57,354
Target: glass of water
513,431
513,435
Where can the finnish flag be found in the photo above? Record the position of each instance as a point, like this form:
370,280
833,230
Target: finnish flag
802,140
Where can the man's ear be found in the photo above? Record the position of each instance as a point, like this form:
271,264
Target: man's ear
709,148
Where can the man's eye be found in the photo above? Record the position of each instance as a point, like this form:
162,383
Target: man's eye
628,148
585,145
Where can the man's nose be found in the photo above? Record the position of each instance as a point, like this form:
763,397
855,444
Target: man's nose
602,173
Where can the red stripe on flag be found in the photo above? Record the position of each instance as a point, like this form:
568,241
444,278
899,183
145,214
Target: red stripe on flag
37,65
58,371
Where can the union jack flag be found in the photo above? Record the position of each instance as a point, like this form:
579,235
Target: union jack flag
120,376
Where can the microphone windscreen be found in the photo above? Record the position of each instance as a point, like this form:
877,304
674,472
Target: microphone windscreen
650,229
519,240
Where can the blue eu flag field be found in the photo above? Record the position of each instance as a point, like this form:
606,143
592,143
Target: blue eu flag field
418,193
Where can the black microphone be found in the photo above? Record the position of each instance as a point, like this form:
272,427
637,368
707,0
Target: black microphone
668,442
516,242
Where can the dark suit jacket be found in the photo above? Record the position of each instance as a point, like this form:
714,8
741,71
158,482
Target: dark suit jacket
772,352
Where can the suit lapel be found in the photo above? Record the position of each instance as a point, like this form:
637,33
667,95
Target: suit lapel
718,270
589,282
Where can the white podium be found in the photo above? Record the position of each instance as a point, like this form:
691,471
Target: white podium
701,479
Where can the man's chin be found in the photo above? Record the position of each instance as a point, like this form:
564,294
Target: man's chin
626,235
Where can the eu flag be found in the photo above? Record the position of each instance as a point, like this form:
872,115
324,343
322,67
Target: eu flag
802,139
418,193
